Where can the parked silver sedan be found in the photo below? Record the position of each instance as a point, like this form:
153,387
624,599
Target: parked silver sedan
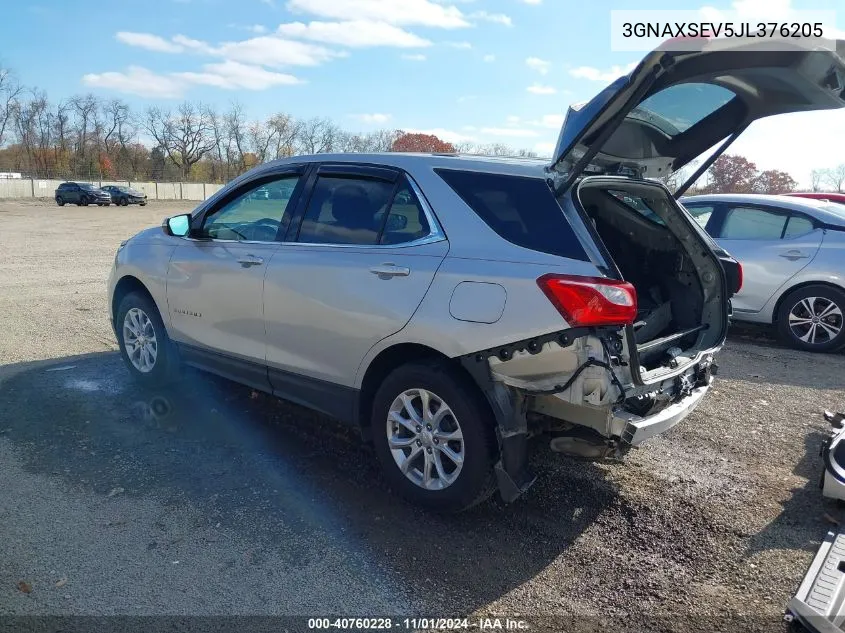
792,252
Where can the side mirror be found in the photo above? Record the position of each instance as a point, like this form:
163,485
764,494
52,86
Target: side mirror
178,225
396,222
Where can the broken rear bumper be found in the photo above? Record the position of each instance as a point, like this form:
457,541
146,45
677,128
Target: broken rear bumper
635,429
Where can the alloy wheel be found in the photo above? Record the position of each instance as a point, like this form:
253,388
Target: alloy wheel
425,439
139,340
815,320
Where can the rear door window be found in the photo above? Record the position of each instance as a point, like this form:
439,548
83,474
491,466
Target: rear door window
345,210
798,225
521,210
750,223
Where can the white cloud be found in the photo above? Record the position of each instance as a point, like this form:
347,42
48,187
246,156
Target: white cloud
228,74
263,50
540,65
137,80
509,131
461,45
415,57
513,119
596,74
356,33
498,18
466,98
532,1
274,51
544,149
489,58
148,41
539,89
197,46
231,75
551,121
257,28
407,12
376,117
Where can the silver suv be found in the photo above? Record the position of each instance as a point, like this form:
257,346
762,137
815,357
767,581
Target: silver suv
452,307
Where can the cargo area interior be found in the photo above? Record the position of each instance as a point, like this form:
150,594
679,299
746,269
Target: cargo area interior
641,228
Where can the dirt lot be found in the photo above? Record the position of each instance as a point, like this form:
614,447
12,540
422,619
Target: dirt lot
213,500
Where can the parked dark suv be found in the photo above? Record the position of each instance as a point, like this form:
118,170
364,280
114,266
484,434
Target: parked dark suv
125,195
81,193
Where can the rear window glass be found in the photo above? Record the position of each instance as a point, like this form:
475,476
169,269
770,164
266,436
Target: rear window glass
679,107
521,210
638,204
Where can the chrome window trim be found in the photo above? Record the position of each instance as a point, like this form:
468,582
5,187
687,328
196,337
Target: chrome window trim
435,234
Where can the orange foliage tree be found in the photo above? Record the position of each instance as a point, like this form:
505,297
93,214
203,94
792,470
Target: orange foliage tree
426,143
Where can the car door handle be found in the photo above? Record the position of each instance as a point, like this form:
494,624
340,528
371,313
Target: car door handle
386,271
250,260
794,255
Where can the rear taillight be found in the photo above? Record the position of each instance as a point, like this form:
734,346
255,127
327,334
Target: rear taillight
585,301
739,277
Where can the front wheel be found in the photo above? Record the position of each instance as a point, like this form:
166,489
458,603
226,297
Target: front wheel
83,201
124,202
433,434
811,319
60,201
144,345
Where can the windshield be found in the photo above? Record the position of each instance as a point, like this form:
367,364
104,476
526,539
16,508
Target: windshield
87,186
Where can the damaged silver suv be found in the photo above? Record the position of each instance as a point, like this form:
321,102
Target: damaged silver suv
452,307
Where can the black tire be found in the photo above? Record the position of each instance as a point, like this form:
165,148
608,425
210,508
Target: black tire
804,304
143,204
60,201
476,480
83,201
165,370
123,202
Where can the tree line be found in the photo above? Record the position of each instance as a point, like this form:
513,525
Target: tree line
87,137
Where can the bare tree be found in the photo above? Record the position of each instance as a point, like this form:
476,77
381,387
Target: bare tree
10,90
835,177
236,132
817,177
185,137
85,108
261,137
286,131
316,136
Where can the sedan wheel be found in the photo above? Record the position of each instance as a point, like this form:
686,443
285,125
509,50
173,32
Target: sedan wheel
139,340
124,202
811,319
425,439
60,201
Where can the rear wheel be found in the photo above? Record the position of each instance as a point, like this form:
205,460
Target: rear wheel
433,436
811,319
60,201
144,345
83,201
123,202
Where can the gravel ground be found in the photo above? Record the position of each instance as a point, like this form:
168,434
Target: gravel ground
217,500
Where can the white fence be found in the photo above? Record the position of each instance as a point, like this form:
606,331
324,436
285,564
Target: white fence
34,188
